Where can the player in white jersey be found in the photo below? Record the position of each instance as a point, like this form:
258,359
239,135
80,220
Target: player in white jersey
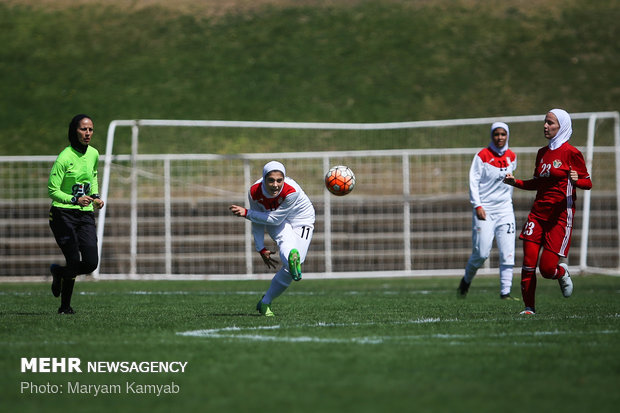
493,213
280,207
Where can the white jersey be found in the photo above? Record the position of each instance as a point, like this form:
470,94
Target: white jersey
486,180
291,206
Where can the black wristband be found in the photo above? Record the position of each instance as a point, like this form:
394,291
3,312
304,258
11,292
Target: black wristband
74,200
95,196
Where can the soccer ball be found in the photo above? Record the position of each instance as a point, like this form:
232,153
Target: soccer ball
340,180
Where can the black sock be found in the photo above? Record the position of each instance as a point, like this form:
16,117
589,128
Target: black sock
66,292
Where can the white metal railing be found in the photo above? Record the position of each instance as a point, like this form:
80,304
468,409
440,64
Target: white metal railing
325,157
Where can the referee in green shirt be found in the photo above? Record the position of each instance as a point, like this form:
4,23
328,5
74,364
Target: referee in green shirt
73,188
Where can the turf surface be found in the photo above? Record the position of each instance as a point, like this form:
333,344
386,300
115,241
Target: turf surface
298,61
334,346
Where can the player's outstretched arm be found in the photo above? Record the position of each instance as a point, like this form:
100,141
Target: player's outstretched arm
238,211
530,184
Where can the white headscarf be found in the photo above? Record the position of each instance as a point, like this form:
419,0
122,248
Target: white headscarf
270,167
565,131
499,151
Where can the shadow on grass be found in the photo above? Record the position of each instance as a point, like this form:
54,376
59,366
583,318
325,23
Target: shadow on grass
234,315
3,313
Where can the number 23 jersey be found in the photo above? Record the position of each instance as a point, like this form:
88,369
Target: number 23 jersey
555,191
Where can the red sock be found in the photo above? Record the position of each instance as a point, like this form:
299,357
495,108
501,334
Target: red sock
528,287
528,273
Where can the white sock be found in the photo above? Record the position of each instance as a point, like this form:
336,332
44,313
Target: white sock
279,283
505,279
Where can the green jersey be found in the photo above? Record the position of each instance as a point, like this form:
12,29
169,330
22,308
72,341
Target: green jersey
74,174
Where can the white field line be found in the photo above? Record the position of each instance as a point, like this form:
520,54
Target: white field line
301,293
258,293
255,334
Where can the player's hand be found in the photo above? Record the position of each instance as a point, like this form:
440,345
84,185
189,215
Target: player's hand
238,210
98,203
265,254
509,179
573,175
481,214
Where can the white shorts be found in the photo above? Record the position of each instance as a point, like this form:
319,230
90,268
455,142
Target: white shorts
502,228
288,237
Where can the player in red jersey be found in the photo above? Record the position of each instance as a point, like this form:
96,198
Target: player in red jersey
559,170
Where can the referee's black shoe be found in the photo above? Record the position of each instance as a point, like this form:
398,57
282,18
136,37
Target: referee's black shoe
56,280
67,310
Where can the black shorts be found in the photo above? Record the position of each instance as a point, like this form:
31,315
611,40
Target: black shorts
73,227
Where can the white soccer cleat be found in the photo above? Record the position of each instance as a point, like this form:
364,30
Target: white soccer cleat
566,284
528,311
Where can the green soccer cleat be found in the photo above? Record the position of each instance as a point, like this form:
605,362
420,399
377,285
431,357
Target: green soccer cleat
264,309
294,264
508,297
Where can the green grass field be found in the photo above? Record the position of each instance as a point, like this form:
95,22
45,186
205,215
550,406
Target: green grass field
335,345
291,60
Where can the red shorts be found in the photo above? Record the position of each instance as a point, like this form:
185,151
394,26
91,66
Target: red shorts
552,236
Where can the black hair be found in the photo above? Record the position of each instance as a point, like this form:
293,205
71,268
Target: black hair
72,134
